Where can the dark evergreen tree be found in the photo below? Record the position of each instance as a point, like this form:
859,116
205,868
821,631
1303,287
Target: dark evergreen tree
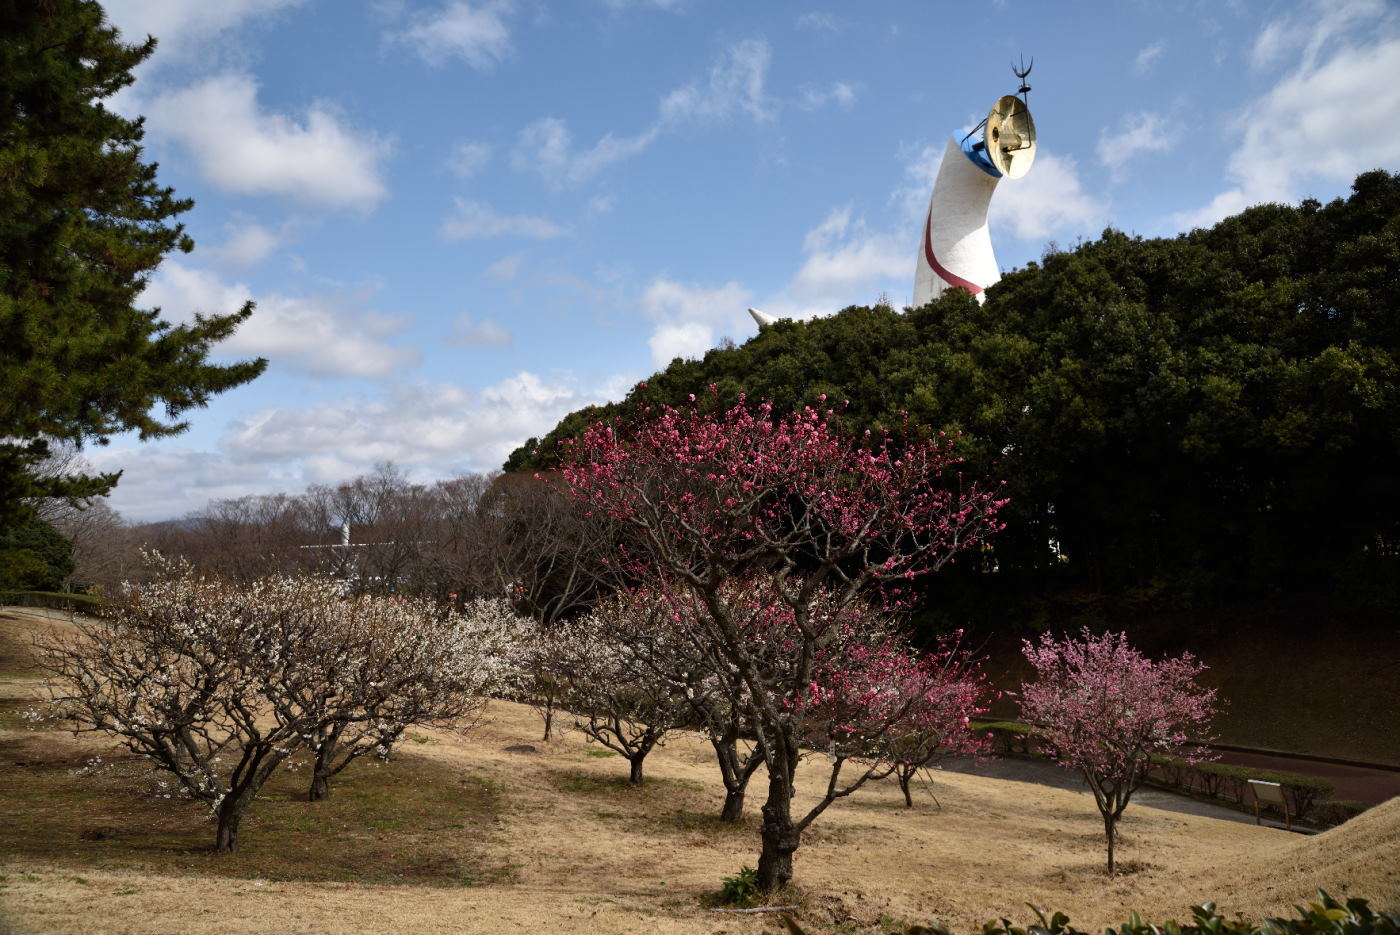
1179,420
83,223
34,557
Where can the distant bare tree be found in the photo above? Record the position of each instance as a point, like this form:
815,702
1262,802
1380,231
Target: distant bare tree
551,556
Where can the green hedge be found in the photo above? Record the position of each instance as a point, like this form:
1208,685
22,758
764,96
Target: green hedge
1014,736
1325,917
1333,812
1230,782
54,600
1307,795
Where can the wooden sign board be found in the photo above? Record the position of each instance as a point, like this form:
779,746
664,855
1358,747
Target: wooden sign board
1270,793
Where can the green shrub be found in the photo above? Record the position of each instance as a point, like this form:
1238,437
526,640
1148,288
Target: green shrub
1327,917
1014,736
741,889
1333,812
54,600
1228,781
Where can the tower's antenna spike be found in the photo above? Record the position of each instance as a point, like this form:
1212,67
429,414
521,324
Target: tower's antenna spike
1022,73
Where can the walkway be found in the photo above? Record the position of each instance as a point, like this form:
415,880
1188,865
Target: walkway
1045,773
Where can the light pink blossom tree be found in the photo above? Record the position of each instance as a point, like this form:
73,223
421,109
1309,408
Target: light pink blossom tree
790,499
1107,710
949,689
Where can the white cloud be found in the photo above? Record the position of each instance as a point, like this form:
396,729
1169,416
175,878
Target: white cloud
434,431
601,204
243,149
319,335
845,263
673,5
687,315
181,26
852,270
735,86
819,22
476,34
436,424
1147,56
1305,129
506,268
546,147
469,158
474,219
165,480
1311,30
1141,132
1048,200
248,244
839,94
469,333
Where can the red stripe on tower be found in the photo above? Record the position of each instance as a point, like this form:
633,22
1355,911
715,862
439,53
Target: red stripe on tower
951,279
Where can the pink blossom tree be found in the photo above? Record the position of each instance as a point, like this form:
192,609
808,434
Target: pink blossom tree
1106,710
793,501
949,689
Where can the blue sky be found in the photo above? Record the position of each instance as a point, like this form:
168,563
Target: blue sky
461,220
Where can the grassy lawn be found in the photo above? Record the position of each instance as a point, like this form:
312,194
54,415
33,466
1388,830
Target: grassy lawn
505,833
412,820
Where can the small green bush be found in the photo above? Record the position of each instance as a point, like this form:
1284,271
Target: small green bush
1333,812
740,890
53,600
1013,735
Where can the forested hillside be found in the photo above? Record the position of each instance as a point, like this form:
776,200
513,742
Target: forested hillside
1180,422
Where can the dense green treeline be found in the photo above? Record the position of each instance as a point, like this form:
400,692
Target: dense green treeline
1179,421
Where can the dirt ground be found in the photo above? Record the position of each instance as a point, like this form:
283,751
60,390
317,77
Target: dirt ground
589,854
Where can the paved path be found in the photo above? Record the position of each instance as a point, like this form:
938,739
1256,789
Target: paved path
1372,786
1043,772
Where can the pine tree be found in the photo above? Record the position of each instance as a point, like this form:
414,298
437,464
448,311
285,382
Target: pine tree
83,223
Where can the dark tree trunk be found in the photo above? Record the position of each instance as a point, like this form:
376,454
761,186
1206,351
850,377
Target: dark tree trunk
321,771
904,787
548,718
780,836
735,771
636,775
1108,828
230,813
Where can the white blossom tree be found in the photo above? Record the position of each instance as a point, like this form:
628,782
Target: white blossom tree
219,684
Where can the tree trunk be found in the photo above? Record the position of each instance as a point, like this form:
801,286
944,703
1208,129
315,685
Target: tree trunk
1108,827
321,771
735,773
904,787
548,718
230,813
636,776
780,837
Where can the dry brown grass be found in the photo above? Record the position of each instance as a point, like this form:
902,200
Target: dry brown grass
579,851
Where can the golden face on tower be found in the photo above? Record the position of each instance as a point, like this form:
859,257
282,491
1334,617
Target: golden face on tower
1010,138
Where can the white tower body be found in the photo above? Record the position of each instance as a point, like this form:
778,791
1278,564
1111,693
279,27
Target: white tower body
955,251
